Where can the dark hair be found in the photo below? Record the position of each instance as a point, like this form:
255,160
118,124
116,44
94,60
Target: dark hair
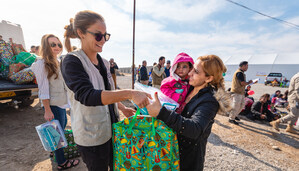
277,91
161,58
265,96
32,47
280,95
82,21
168,62
243,63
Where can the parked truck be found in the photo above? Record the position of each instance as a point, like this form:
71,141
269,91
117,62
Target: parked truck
11,93
17,95
271,76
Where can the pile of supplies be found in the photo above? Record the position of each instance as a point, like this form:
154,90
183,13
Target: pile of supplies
15,63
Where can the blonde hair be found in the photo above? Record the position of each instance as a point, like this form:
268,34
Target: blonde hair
51,63
213,66
82,21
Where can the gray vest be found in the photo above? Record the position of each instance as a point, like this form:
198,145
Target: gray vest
91,125
57,91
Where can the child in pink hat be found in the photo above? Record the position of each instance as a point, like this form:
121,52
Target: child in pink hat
176,86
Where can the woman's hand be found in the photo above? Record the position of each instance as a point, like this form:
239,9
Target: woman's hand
140,98
128,111
48,115
154,108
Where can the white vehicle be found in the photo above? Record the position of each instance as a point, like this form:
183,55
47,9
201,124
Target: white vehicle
270,77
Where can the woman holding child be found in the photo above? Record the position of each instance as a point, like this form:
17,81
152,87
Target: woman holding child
206,97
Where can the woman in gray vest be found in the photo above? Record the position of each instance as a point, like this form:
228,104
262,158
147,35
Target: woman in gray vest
94,100
52,91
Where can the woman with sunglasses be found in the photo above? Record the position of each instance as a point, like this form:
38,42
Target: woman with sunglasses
52,91
91,91
205,98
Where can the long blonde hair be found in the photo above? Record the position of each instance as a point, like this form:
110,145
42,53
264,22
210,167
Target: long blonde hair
213,66
83,20
51,63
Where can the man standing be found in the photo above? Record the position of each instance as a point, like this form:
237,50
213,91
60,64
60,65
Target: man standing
32,49
158,73
113,67
238,92
167,68
143,74
293,99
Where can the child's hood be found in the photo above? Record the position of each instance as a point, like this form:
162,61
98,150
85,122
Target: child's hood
182,57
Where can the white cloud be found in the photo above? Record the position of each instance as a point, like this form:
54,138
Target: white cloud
174,10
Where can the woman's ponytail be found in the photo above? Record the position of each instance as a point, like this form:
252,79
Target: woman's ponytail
68,34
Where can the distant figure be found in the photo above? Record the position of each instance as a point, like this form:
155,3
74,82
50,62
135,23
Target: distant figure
37,50
277,92
143,74
279,102
284,82
138,73
248,101
167,68
260,110
158,73
32,49
177,85
1,38
238,92
293,99
155,63
274,82
135,72
113,67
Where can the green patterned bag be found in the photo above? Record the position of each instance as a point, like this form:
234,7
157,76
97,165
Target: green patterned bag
71,151
143,143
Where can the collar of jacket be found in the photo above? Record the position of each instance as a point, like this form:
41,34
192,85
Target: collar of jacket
202,91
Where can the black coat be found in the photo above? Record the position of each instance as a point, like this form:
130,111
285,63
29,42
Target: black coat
256,111
143,74
193,127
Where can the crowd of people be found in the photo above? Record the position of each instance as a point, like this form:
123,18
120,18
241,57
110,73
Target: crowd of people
85,82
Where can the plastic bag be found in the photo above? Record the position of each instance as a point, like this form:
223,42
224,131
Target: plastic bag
51,135
165,100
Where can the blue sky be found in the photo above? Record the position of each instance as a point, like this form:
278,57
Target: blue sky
167,27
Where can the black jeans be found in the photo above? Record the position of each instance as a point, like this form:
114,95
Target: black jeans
97,158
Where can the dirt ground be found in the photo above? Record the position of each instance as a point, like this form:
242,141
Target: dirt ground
230,147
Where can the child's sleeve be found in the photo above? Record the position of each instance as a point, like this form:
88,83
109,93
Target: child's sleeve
168,90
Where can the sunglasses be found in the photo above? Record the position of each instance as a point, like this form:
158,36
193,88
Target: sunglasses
54,45
99,36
